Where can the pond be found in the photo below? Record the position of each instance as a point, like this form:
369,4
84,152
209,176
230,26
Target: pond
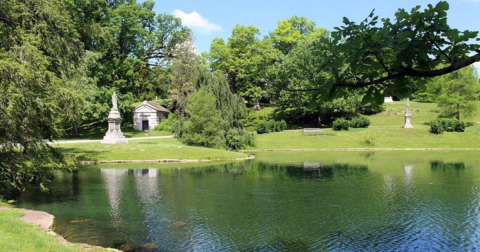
337,201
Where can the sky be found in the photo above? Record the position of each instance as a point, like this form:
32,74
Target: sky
216,18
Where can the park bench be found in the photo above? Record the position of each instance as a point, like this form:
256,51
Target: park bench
308,130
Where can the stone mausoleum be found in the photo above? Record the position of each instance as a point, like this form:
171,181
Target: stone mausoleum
148,115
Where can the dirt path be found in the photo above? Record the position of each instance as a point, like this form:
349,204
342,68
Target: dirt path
92,141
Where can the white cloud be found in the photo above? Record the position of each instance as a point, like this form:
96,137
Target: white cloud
195,21
477,66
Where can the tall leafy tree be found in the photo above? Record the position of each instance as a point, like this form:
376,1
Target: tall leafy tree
39,47
290,31
134,45
246,60
395,56
459,93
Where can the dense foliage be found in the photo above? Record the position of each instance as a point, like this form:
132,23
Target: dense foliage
455,93
213,114
438,126
60,62
36,58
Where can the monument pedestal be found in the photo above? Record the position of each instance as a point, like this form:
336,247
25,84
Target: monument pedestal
408,124
408,116
114,134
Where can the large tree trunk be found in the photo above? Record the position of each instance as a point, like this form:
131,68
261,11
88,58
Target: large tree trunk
458,112
75,132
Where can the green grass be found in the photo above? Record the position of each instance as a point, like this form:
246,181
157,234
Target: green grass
17,235
265,110
97,131
149,149
385,131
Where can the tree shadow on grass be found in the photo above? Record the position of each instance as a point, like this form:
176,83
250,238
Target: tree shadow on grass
81,154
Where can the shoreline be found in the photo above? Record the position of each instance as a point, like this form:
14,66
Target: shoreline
152,161
44,221
360,149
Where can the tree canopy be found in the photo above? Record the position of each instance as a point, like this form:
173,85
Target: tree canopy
392,57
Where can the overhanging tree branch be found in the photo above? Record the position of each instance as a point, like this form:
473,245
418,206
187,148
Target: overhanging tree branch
404,72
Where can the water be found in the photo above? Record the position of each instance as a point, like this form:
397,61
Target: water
395,201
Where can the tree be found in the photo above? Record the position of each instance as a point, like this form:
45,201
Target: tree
459,93
245,60
135,48
213,114
394,57
39,47
203,124
298,71
290,31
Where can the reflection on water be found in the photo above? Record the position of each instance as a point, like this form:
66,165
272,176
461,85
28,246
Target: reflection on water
372,204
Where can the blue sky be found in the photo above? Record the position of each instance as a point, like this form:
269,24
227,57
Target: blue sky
216,18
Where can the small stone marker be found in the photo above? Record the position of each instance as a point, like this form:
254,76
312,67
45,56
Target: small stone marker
408,116
114,134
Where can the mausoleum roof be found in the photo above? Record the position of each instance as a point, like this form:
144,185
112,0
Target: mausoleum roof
154,106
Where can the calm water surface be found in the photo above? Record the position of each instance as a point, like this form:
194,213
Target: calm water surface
395,201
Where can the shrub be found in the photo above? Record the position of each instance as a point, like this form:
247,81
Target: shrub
280,125
166,123
271,126
262,126
370,137
460,126
360,122
438,126
238,139
340,124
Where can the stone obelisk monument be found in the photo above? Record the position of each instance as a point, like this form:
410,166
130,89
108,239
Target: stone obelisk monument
408,116
114,134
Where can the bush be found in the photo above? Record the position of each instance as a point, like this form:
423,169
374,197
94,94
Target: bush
460,126
280,126
340,124
360,122
263,126
166,123
238,139
438,126
271,126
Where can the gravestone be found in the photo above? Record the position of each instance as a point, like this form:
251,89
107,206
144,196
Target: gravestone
408,116
114,134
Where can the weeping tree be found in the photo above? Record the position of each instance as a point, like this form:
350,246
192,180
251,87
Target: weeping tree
213,114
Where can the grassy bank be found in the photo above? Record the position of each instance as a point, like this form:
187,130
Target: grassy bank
18,235
385,131
146,149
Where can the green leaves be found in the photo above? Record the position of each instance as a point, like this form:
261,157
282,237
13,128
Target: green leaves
38,52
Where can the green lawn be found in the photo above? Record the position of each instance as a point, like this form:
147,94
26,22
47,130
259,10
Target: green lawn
385,130
97,131
17,235
148,149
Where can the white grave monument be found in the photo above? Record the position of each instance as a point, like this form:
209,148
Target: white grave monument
408,116
114,134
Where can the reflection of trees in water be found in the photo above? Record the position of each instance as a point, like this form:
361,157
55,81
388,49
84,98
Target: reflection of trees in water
447,167
316,170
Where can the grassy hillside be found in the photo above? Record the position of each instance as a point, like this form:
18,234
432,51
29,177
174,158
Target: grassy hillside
385,131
